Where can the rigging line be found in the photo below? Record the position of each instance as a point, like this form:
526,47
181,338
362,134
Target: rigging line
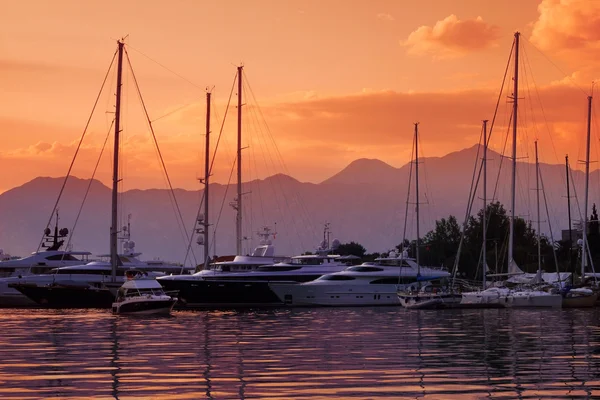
78,147
502,156
493,123
168,69
90,183
216,225
581,220
222,126
468,210
278,153
177,109
254,160
410,168
557,67
277,181
202,199
157,147
543,113
549,225
191,239
225,196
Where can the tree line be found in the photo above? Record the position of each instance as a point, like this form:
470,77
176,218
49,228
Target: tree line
439,247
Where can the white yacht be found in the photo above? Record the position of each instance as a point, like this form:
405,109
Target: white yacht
38,262
368,284
220,287
54,289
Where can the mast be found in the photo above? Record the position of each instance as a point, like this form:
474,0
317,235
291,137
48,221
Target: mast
485,121
537,197
569,214
238,219
114,256
514,154
206,177
587,181
417,193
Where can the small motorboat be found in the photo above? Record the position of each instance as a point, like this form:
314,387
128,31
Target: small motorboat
142,296
430,296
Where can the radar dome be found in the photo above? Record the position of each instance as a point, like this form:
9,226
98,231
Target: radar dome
335,244
47,231
392,254
580,242
200,240
63,232
323,244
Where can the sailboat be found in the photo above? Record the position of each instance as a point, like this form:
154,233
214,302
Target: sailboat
579,297
431,291
94,285
527,296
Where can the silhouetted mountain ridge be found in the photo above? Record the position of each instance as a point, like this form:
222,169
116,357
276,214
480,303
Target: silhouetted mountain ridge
364,202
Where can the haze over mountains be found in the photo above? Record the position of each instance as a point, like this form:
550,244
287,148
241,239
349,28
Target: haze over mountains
365,202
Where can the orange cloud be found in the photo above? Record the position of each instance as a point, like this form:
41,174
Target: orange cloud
315,138
452,37
568,25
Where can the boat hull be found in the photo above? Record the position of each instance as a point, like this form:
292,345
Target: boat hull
422,301
67,297
485,299
221,294
526,300
303,295
144,307
580,301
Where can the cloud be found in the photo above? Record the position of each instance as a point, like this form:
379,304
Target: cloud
385,17
452,37
568,25
317,137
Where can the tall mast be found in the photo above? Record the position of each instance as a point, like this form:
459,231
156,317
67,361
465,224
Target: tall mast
206,177
587,181
537,197
514,154
417,193
114,230
569,214
485,145
238,220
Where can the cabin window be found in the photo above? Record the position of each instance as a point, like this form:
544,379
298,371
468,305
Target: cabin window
337,278
364,269
62,257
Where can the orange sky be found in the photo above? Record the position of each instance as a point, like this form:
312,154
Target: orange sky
335,81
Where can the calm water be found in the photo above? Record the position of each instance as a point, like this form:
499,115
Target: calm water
301,354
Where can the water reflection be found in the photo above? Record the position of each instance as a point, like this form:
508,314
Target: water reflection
301,353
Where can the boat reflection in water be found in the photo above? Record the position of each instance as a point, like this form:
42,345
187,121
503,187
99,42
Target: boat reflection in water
301,353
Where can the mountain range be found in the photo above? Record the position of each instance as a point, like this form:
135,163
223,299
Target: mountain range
365,203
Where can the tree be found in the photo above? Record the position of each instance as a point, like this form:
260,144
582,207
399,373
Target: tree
440,245
351,249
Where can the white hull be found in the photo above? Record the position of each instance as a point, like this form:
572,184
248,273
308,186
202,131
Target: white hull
429,301
145,305
336,295
495,297
534,299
